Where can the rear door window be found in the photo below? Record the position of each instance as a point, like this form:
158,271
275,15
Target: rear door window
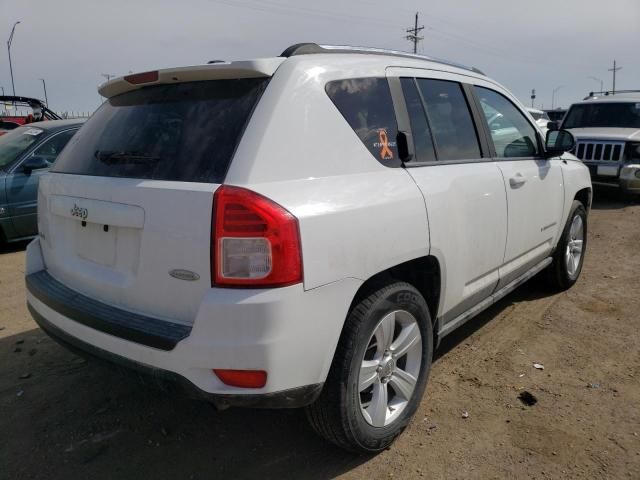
366,105
450,120
184,132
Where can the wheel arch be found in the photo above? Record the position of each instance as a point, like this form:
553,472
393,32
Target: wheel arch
585,196
423,273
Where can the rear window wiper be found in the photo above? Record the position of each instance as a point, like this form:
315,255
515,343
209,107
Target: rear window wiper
112,157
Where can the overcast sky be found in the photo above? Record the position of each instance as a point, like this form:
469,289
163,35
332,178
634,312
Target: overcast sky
541,44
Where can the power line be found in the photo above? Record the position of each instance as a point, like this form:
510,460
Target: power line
413,34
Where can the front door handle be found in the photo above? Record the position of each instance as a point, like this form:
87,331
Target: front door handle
517,180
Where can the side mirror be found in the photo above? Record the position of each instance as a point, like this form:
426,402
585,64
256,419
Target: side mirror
34,163
405,146
552,126
559,142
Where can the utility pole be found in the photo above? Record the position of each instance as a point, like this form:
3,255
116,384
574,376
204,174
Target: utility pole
553,96
44,85
9,51
533,96
413,34
614,70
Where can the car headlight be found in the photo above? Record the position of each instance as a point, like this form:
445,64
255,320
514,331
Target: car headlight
630,171
632,151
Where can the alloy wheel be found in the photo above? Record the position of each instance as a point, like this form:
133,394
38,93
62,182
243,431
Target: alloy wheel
390,368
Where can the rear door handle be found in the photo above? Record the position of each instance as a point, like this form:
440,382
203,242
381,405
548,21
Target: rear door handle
517,180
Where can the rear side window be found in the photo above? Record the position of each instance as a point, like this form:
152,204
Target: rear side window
366,105
422,141
184,132
450,120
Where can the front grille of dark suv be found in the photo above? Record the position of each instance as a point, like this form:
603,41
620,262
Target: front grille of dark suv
600,150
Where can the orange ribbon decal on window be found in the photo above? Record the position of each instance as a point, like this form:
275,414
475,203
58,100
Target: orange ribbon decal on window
385,151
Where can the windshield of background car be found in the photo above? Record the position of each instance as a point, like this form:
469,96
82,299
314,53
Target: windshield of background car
185,132
16,142
620,115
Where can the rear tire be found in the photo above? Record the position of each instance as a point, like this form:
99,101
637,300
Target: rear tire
379,372
569,255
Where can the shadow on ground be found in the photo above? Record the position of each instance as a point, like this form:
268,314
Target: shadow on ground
612,198
86,421
13,247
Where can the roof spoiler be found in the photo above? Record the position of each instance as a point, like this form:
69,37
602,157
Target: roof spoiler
219,70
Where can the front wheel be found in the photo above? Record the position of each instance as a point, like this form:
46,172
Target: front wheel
379,371
569,255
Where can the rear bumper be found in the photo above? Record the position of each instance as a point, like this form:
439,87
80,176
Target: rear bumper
288,332
149,331
166,380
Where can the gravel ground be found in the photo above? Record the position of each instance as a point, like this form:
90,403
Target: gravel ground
61,417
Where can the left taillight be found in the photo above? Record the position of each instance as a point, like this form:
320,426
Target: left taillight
255,242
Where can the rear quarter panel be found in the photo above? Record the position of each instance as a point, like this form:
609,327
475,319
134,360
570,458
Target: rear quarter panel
357,217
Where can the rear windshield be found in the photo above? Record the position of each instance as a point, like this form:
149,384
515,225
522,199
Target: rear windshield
184,132
622,115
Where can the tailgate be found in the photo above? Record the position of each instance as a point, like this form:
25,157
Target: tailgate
125,214
140,245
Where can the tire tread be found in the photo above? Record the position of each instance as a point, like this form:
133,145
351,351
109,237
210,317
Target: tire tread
323,415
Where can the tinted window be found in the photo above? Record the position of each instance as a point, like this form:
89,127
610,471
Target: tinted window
50,149
186,132
366,105
16,143
512,134
422,141
620,115
450,120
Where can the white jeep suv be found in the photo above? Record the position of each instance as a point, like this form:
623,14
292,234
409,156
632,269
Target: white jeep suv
606,126
300,231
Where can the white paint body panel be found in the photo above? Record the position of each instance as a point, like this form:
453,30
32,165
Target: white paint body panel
154,227
468,227
535,196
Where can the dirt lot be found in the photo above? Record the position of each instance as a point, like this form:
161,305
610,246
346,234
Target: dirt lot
72,419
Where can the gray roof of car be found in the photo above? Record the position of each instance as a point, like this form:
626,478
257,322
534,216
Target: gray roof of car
633,96
57,124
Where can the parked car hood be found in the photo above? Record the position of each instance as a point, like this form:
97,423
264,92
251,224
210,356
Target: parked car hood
601,133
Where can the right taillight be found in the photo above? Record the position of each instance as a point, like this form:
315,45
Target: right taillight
255,241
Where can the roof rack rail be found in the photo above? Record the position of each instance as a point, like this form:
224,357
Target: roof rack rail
609,92
314,48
